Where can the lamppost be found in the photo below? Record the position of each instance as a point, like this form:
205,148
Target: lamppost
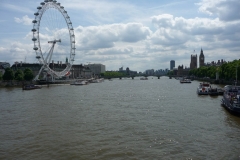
236,75
83,73
217,73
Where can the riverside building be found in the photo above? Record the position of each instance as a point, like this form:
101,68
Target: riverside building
172,64
96,69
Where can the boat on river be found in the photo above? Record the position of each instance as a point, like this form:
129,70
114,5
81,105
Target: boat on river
185,81
80,82
231,99
213,91
203,88
95,80
92,80
143,78
220,91
31,87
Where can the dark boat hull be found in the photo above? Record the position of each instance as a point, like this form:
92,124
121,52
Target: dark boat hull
227,105
31,87
213,93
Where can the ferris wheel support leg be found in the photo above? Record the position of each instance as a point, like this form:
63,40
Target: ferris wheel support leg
37,76
52,78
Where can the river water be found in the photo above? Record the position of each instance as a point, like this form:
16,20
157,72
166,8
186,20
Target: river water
119,119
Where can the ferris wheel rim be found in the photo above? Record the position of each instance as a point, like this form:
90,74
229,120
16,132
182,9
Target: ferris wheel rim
47,4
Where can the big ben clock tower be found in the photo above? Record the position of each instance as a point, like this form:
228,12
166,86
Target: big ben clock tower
201,58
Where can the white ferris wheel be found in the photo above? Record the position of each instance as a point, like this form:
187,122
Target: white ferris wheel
53,39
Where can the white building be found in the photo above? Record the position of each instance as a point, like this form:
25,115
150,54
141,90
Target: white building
96,69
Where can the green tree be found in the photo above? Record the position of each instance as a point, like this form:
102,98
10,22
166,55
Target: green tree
202,71
170,73
211,72
28,74
227,71
1,76
19,75
193,72
222,71
113,74
8,75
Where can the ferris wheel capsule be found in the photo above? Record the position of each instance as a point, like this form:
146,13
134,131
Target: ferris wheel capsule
34,39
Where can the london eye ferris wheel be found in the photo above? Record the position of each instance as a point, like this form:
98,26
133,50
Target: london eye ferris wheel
53,39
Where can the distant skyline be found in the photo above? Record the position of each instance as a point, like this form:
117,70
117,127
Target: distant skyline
141,35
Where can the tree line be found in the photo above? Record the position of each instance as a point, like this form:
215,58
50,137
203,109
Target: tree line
18,75
113,74
226,71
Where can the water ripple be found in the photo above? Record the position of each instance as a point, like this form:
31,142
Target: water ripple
121,119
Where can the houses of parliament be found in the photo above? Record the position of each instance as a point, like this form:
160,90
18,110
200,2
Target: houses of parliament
181,71
193,63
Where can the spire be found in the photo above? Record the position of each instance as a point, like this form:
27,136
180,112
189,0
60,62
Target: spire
201,53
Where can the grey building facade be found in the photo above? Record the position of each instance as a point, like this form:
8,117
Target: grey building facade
172,64
96,69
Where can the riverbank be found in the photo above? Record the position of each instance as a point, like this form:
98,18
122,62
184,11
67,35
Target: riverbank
214,81
15,83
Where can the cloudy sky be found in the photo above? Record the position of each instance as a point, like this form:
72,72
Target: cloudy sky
139,34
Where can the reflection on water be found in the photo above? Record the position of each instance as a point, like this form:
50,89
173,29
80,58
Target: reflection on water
119,119
231,120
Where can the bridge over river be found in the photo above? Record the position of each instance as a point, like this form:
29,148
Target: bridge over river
133,76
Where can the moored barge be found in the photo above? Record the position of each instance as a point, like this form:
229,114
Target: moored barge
231,99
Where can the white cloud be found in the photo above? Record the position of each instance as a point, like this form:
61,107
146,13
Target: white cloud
168,37
194,26
105,36
102,12
134,32
226,10
25,20
17,51
178,30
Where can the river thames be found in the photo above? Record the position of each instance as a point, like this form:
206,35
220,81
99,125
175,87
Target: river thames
116,120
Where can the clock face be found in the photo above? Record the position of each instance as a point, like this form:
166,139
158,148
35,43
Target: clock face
202,58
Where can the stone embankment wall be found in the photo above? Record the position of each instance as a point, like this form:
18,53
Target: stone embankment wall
14,83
